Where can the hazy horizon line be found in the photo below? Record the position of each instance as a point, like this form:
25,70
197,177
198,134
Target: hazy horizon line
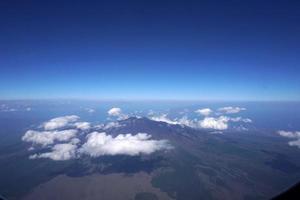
148,99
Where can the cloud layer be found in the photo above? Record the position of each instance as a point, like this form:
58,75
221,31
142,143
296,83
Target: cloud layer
216,123
60,137
67,137
217,120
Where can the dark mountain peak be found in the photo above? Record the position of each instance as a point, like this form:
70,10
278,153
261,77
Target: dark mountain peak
157,129
138,121
134,119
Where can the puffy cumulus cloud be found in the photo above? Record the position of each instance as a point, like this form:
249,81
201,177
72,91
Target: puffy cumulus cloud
117,112
45,138
231,110
99,144
69,121
204,111
220,123
114,112
65,151
82,125
60,122
293,135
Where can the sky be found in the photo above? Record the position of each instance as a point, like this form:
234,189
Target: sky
181,50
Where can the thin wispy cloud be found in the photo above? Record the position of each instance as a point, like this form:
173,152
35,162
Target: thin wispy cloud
164,118
216,123
66,144
90,110
231,110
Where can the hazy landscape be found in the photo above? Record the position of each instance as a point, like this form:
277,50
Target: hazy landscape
181,158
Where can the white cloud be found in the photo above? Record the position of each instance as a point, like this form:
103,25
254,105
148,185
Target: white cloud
94,144
240,119
82,125
59,152
60,122
293,135
204,111
65,129
231,110
45,138
295,143
183,121
28,109
289,134
220,123
99,144
111,125
74,141
117,112
164,118
187,122
178,121
69,121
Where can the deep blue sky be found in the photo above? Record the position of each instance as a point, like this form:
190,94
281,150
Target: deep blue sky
221,50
